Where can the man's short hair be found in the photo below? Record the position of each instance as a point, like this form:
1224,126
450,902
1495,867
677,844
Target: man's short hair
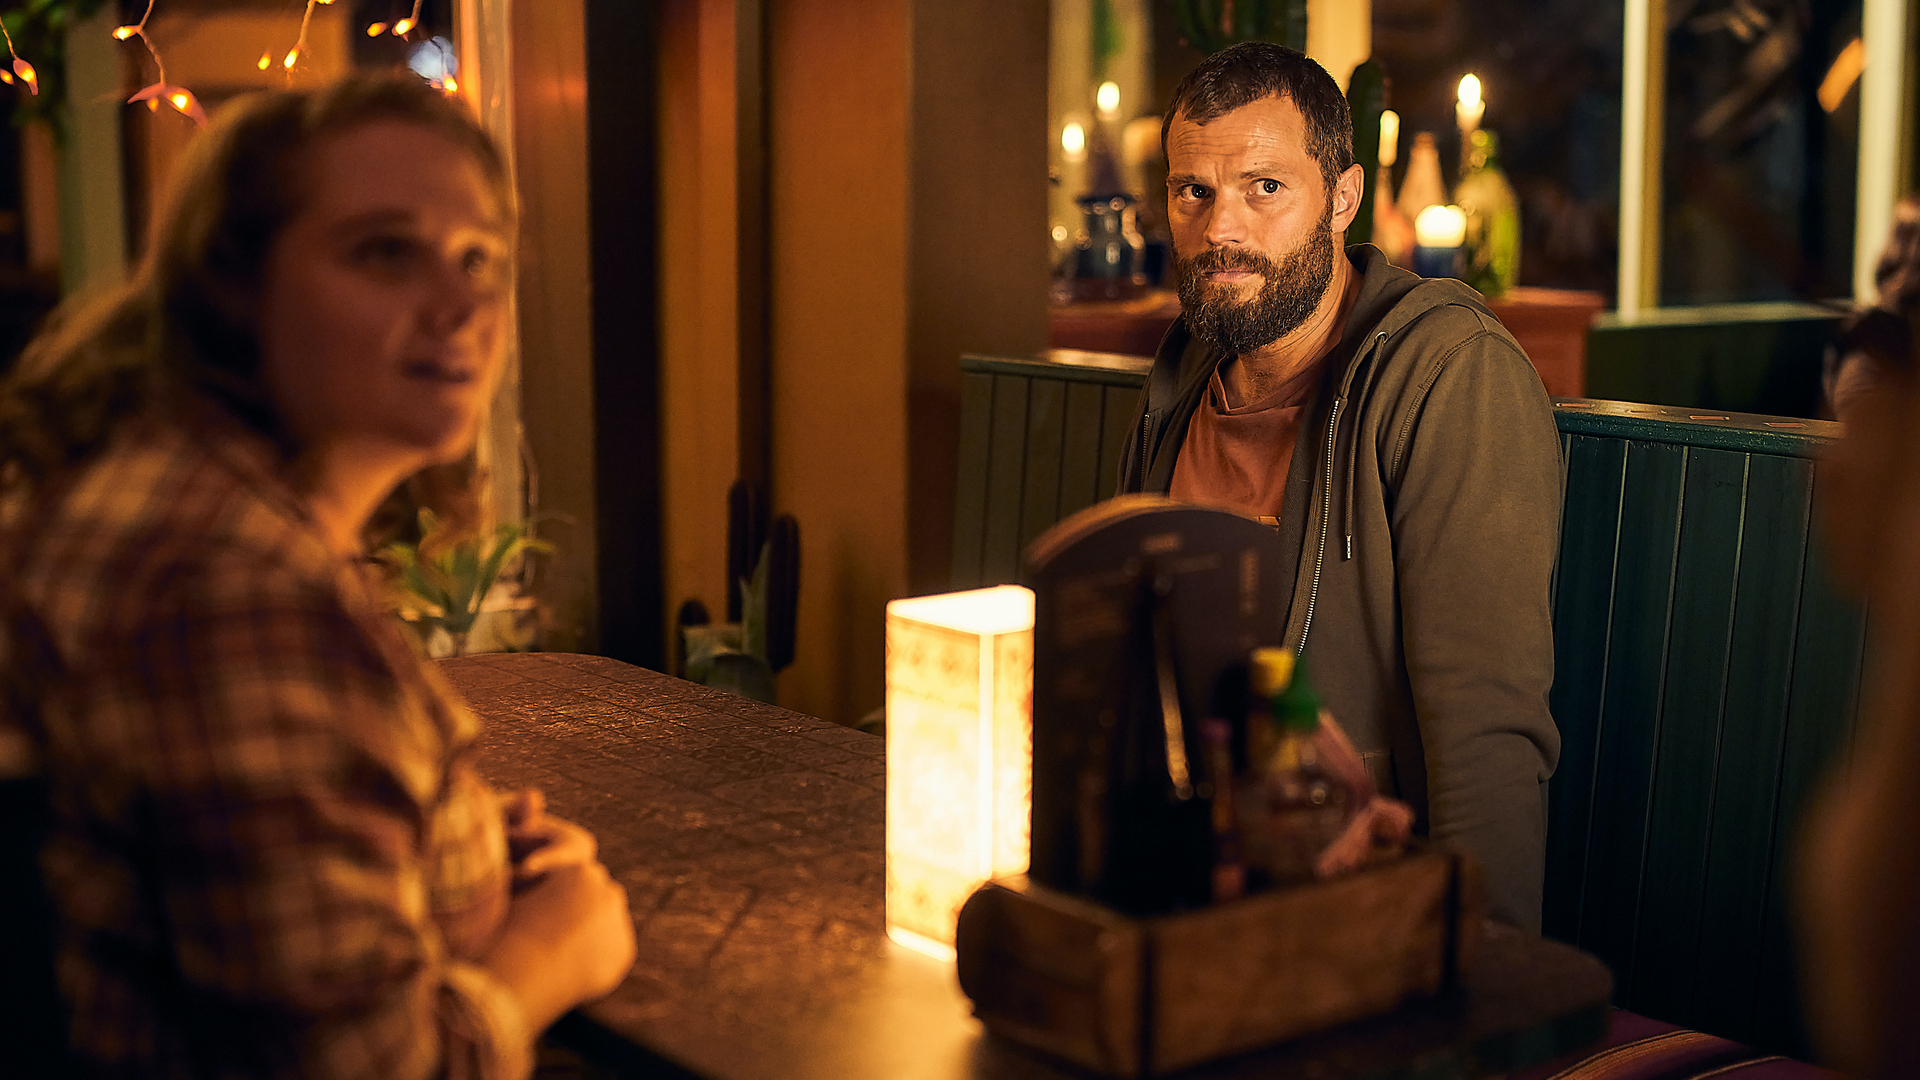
1252,70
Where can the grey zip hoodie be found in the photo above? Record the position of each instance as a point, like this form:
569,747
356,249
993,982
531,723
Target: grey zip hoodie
1424,500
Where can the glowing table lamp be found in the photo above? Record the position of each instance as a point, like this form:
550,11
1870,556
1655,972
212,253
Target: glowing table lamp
959,754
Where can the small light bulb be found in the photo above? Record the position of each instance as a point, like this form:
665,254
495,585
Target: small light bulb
293,57
403,28
1107,100
264,62
6,76
450,85
153,104
27,74
180,100
376,29
122,33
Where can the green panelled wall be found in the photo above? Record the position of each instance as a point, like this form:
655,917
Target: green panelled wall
1706,669
1758,358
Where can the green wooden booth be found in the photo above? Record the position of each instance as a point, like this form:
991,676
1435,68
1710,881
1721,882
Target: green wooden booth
1706,671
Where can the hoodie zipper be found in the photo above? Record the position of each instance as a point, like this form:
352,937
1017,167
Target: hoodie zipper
1146,434
1326,516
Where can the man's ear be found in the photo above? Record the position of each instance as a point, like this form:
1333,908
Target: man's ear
1346,197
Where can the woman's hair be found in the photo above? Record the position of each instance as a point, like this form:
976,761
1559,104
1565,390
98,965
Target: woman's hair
184,321
1897,275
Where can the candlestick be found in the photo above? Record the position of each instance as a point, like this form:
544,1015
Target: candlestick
1470,108
1438,233
1389,138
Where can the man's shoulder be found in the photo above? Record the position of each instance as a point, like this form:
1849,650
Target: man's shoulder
1442,315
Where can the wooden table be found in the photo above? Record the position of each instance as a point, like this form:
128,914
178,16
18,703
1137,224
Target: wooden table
750,842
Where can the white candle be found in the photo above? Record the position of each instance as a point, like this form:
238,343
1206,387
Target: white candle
1440,227
1073,142
1470,108
1389,138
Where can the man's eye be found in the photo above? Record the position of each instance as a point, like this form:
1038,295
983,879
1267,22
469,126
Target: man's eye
1267,187
383,249
1194,191
477,261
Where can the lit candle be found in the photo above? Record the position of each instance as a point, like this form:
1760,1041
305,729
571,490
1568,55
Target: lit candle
1437,235
1073,142
1470,108
1389,138
1107,100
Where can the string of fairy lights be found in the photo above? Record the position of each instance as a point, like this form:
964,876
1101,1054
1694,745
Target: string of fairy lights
21,69
182,99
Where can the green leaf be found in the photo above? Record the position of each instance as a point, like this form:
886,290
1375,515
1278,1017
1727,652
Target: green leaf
753,607
703,644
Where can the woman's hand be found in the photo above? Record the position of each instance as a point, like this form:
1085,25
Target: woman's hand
539,842
568,939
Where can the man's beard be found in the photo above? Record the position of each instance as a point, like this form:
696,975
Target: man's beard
1289,291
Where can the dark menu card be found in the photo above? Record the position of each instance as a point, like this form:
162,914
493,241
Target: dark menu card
1145,611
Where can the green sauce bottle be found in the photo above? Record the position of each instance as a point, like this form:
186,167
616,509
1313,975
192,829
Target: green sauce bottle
1295,806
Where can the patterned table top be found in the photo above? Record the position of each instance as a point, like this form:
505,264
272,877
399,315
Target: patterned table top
751,843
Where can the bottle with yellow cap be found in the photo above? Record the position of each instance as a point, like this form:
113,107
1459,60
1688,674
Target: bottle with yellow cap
1295,805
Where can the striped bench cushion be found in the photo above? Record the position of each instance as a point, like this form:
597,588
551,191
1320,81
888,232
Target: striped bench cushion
1639,1048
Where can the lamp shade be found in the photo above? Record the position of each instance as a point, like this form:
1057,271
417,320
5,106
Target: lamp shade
959,754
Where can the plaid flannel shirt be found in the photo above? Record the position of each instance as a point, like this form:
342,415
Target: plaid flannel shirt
271,853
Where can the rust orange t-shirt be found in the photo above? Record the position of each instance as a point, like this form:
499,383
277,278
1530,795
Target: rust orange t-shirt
1238,457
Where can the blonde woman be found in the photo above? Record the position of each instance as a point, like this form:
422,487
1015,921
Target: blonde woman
270,853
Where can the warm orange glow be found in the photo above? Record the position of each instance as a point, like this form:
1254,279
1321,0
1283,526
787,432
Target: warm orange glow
1846,71
959,753
27,74
180,100
153,104
450,85
376,29
122,33
403,28
293,57
265,62
6,76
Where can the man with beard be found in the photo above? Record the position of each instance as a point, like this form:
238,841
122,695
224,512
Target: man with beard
1391,430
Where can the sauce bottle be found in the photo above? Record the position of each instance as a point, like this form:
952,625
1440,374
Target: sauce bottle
1295,804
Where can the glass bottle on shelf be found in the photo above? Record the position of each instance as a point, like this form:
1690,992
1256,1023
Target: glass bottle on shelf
1422,187
1492,246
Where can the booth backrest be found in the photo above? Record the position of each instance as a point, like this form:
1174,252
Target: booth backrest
1706,669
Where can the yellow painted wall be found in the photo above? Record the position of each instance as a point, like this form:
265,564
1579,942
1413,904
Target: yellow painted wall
556,288
839,87
909,226
699,360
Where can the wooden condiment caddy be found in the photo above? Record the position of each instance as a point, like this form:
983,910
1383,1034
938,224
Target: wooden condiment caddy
1133,997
